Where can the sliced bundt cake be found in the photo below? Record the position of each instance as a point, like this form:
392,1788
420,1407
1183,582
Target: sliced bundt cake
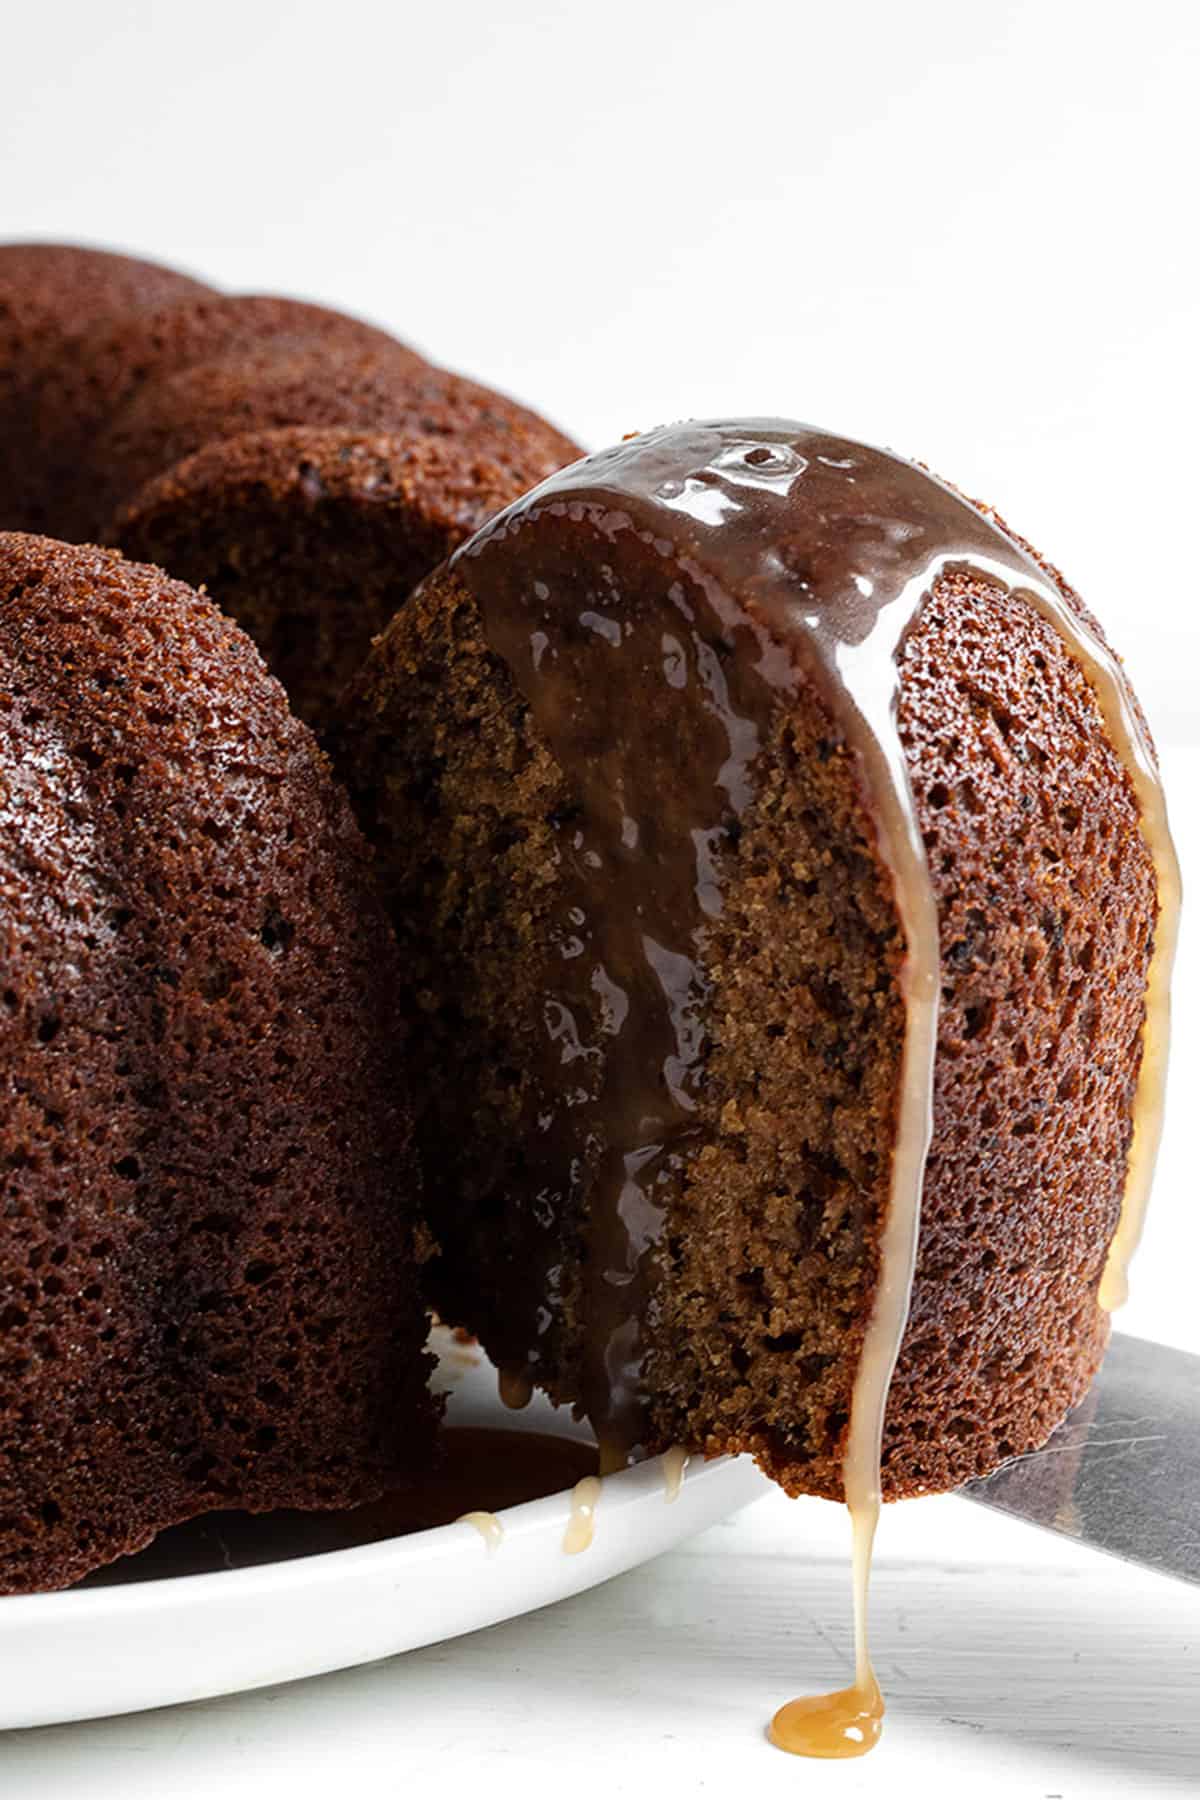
208,1208
767,832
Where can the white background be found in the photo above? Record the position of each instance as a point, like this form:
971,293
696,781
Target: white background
964,230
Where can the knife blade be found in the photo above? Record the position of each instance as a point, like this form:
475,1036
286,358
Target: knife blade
1122,1472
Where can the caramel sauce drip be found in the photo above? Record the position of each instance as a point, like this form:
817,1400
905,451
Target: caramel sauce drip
515,1387
487,1525
816,553
847,1722
581,1525
674,1465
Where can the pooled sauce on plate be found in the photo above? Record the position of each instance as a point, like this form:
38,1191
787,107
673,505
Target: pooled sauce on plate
483,1470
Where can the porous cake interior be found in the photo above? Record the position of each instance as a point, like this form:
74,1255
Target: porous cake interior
754,1263
753,1286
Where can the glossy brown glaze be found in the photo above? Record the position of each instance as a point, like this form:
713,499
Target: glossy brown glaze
619,1124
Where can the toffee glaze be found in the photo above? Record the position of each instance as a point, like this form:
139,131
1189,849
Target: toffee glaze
489,1527
815,554
581,1524
674,1467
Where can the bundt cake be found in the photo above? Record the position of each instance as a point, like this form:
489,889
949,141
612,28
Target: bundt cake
209,1229
781,910
764,828
171,422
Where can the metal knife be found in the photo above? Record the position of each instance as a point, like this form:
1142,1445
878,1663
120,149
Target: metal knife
1122,1472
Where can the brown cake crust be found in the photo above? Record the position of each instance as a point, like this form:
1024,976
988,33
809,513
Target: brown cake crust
1030,821
272,386
207,1267
764,1275
116,357
312,539
52,296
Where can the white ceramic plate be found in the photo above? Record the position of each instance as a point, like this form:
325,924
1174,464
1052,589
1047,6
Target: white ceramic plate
124,1642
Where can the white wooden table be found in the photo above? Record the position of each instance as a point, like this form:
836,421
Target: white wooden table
1014,1663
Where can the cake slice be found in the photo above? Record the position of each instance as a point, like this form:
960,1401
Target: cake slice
778,859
